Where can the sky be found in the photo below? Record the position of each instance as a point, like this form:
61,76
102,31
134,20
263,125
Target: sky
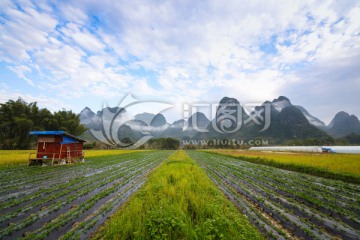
73,54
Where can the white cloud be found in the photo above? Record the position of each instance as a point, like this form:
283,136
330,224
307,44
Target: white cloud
7,93
194,50
23,32
21,71
82,37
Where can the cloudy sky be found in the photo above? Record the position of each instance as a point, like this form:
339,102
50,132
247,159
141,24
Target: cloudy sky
72,54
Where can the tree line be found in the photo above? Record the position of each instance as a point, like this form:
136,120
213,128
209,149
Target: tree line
163,143
18,118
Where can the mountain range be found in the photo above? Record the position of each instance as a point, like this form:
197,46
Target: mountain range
285,122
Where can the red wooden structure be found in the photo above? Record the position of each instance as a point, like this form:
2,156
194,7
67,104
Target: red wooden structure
56,147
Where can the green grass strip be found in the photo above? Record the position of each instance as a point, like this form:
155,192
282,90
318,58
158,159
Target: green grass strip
179,201
315,171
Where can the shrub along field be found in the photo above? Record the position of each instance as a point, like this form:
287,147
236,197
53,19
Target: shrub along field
344,167
178,202
286,204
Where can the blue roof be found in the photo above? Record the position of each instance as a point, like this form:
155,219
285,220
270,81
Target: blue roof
67,138
47,133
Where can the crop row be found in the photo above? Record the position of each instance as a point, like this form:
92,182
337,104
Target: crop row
284,204
70,198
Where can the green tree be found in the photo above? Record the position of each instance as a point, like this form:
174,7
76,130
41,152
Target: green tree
164,143
18,118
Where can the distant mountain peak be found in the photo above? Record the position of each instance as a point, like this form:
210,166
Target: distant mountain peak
145,117
280,103
201,120
338,118
344,124
228,100
86,115
281,98
158,120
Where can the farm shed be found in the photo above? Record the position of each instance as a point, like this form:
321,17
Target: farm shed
56,147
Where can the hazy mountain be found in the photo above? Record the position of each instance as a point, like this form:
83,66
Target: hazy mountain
178,123
158,121
221,126
86,115
95,121
145,117
312,120
290,122
343,124
287,122
280,103
294,124
186,129
174,130
199,120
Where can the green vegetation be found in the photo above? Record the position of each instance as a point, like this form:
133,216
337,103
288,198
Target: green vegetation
40,202
178,202
344,167
18,118
286,204
352,139
196,196
163,143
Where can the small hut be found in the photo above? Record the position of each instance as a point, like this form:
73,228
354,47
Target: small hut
56,147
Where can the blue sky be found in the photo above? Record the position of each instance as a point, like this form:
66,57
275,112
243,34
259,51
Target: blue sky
72,54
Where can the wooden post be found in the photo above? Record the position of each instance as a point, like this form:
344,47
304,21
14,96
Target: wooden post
61,145
29,159
52,162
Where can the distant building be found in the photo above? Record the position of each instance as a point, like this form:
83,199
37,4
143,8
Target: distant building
56,147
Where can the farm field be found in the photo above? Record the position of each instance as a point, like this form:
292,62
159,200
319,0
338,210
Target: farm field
48,202
285,204
339,166
178,201
192,194
16,157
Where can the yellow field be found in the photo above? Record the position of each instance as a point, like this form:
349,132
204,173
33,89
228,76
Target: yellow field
96,153
15,157
335,162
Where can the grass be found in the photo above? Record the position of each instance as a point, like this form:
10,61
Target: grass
179,201
344,167
17,157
